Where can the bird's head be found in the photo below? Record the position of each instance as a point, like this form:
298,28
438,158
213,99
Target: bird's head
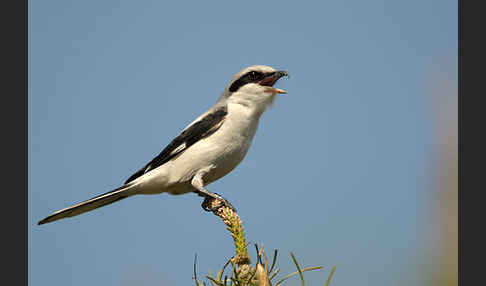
253,87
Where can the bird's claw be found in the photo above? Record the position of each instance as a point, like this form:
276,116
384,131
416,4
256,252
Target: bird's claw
215,202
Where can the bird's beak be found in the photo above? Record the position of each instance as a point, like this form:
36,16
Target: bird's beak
271,78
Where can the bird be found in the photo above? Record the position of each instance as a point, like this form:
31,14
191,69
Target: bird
206,150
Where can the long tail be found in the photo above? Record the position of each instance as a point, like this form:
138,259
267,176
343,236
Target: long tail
91,204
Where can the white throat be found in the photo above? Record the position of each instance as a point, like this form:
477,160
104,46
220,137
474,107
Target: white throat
255,102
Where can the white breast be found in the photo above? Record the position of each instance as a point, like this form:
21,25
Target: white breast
233,139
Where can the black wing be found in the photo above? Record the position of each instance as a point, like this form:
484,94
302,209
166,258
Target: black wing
200,129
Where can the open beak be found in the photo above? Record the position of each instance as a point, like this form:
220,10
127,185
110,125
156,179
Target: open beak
271,78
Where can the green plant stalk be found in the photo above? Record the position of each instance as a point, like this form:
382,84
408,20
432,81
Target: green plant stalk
244,274
235,227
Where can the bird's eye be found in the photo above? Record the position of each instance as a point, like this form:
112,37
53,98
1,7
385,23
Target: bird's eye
254,75
249,77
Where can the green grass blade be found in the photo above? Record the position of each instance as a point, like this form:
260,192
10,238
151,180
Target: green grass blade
225,265
296,272
219,274
210,275
195,274
298,269
213,280
330,275
234,270
277,270
274,260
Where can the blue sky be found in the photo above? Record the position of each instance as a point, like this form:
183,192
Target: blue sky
339,170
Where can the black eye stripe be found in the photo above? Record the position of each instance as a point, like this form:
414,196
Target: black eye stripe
249,77
253,75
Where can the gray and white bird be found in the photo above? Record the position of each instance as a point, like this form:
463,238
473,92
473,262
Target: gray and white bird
206,150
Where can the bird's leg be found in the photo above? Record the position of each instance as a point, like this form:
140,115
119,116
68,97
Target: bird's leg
207,204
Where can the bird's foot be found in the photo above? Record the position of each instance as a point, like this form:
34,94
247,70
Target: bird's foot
213,202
